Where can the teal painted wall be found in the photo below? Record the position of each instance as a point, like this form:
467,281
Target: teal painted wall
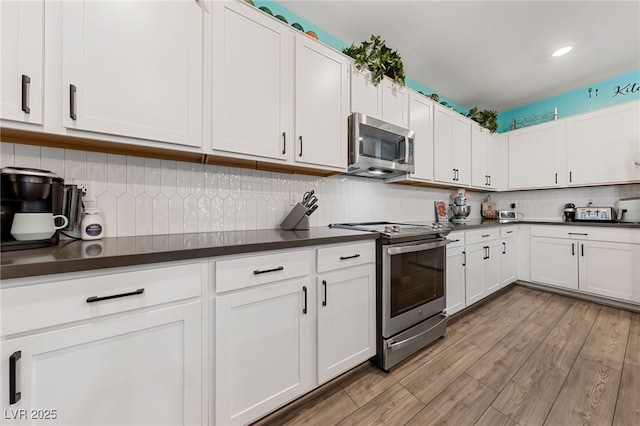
603,94
611,92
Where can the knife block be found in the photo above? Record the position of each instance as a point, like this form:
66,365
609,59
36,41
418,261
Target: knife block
296,219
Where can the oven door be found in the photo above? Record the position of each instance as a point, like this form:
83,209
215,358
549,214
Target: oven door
413,283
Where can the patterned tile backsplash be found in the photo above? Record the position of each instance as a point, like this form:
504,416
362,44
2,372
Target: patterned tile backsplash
141,196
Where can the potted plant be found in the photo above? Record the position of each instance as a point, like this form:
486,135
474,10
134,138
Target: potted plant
486,118
375,56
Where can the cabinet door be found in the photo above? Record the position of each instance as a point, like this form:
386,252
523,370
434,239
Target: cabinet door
508,261
421,122
346,320
554,261
264,349
139,369
462,149
493,161
133,69
479,174
535,156
22,67
491,267
474,273
395,103
610,269
443,169
322,100
602,146
365,97
251,82
455,280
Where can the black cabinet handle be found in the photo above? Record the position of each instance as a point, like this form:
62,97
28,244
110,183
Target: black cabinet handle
488,252
324,288
300,139
509,232
489,180
264,271
556,178
486,235
573,249
349,257
504,248
14,396
464,258
577,233
582,250
304,309
570,176
284,143
93,299
454,174
26,84
72,101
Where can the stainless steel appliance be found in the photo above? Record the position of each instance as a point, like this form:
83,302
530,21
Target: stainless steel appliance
569,212
411,282
28,191
595,214
509,216
378,149
629,210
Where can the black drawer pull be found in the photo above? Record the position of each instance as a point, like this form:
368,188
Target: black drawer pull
349,257
577,233
509,232
486,235
264,271
93,299
26,82
13,395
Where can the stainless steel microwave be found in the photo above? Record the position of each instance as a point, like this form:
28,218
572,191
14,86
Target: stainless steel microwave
378,149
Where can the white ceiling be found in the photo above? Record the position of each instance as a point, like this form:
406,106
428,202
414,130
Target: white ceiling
492,54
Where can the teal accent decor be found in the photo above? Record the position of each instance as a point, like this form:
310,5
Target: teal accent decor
595,96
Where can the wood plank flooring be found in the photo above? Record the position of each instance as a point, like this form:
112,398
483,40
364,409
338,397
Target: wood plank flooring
526,357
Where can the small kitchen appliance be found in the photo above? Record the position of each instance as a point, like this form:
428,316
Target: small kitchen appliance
629,210
595,214
509,216
569,212
459,206
30,195
378,149
411,277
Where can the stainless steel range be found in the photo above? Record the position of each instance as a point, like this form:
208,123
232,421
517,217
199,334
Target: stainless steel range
411,281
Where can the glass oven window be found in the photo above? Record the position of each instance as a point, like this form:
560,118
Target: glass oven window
416,278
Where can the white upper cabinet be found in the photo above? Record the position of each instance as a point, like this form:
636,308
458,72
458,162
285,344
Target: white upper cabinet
277,94
251,82
321,104
395,103
484,158
366,98
22,66
603,146
452,147
133,69
536,156
421,122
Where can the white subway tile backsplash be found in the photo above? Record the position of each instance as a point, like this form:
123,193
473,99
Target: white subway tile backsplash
148,196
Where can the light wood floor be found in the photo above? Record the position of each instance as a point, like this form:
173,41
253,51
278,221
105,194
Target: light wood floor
525,358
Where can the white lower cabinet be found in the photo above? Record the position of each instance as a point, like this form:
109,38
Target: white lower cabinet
456,261
591,260
482,270
264,349
137,369
509,255
346,320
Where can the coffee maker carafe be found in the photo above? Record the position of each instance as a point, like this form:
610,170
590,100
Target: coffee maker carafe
31,194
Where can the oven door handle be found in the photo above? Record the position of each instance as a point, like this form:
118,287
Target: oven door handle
417,247
394,346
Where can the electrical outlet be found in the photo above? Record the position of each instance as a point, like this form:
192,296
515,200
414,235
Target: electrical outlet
87,188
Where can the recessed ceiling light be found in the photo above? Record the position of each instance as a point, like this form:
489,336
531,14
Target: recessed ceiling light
562,51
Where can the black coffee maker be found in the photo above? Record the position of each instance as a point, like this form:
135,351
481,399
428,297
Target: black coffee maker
25,190
569,212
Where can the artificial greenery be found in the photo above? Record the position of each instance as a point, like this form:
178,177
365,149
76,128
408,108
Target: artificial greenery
376,57
487,118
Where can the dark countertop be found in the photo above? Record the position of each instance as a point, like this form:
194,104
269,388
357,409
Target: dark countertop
485,223
73,256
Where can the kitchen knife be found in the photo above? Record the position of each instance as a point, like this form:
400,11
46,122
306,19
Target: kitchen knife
311,202
312,209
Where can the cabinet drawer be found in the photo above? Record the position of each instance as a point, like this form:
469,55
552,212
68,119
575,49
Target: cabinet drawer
344,256
29,307
589,233
508,231
481,235
456,239
248,271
